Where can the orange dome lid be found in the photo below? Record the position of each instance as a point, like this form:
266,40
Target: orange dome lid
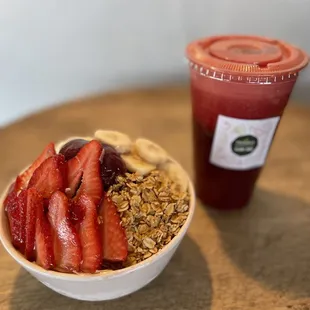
247,55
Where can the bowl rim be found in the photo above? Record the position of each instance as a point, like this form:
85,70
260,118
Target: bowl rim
102,274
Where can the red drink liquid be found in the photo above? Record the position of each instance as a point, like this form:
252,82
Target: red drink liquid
228,165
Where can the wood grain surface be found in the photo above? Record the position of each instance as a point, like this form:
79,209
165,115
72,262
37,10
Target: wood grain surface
257,258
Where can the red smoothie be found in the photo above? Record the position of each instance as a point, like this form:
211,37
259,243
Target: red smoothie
240,87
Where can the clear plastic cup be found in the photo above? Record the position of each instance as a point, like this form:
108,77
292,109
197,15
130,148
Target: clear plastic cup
240,86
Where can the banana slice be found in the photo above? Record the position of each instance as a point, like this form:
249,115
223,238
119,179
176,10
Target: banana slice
60,144
150,151
176,174
136,164
118,140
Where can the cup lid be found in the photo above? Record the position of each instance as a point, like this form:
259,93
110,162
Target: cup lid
252,55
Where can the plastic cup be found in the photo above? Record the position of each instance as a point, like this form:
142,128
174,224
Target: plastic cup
240,86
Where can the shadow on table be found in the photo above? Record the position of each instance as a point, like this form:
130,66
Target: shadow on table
184,284
270,241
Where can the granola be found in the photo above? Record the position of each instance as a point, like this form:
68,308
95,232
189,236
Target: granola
152,210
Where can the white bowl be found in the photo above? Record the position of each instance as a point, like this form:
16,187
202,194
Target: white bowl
107,284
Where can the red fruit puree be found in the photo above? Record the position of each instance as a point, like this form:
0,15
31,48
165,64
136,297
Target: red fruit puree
240,87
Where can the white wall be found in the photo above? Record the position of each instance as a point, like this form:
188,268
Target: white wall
59,49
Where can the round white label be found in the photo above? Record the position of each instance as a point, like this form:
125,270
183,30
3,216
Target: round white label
242,144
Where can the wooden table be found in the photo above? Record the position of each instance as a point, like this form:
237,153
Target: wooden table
258,258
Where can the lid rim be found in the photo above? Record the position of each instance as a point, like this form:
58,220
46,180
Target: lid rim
243,78
258,73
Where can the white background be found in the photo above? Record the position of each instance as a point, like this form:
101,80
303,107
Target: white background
55,50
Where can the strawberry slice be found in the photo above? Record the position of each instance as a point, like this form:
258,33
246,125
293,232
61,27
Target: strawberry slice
10,197
16,212
34,201
89,236
74,179
84,172
21,211
67,246
50,176
23,179
115,246
43,240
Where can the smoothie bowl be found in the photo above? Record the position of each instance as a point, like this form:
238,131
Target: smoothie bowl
97,218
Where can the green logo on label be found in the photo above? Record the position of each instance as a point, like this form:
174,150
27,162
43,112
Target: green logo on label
244,145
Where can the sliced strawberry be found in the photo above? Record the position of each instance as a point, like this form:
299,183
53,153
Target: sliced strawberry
43,240
115,246
10,197
67,246
16,212
90,237
84,170
23,179
74,180
34,202
50,176
77,212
